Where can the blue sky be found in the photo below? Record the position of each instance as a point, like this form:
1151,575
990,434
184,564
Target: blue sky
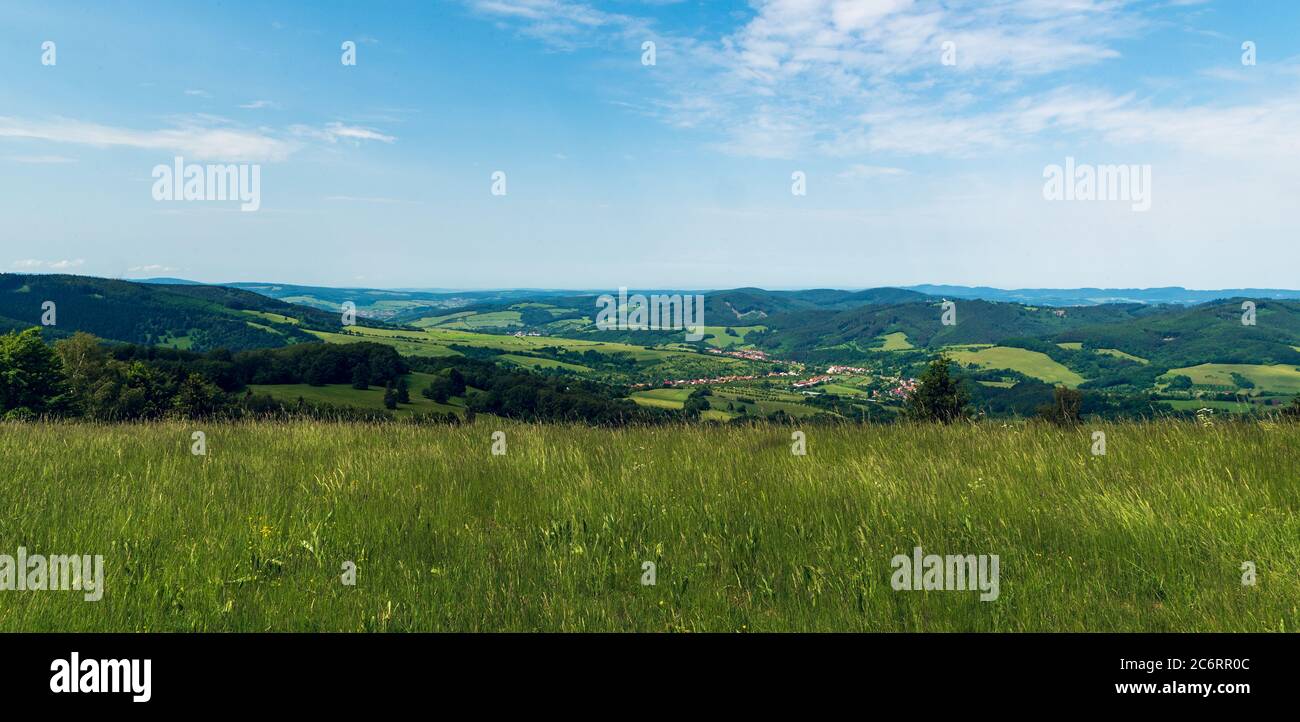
671,175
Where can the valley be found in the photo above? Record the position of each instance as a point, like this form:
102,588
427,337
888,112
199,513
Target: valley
789,354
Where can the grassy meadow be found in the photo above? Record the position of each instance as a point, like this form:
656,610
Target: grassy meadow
371,398
746,536
1030,363
1278,378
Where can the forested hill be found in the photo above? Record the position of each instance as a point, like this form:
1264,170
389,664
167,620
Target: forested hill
976,322
1167,336
194,317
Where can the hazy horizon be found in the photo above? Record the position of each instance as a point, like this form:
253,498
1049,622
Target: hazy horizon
438,289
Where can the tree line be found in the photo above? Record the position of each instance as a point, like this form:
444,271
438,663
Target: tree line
83,377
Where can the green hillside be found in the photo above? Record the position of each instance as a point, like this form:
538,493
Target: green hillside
1029,363
1129,357
186,316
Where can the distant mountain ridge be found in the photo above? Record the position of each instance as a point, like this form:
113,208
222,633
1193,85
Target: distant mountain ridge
782,299
1098,296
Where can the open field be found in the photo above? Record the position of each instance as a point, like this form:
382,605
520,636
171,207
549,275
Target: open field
1078,346
543,363
746,536
896,341
437,342
1126,356
1030,363
765,401
717,335
407,343
1197,404
371,398
673,398
1279,378
760,402
495,319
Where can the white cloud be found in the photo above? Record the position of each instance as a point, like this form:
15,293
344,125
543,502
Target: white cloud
258,104
334,132
1266,129
197,137
844,78
198,93
193,141
785,80
34,264
562,24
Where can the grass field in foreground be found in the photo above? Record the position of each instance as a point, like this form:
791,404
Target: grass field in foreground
746,536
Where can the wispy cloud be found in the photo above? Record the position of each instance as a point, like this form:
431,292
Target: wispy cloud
258,104
199,137
334,132
562,24
32,264
840,78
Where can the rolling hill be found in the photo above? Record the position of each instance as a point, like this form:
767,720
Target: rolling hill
188,316
1124,348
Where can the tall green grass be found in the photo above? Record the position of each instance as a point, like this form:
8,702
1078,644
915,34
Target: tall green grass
745,535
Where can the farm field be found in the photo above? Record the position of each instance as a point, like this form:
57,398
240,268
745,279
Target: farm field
673,398
756,402
896,341
653,364
1197,404
437,342
745,536
543,363
764,401
428,321
717,335
1120,354
841,389
494,319
407,344
1078,346
1029,363
1280,378
371,398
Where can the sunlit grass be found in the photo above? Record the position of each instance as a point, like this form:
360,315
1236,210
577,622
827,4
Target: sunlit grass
745,535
